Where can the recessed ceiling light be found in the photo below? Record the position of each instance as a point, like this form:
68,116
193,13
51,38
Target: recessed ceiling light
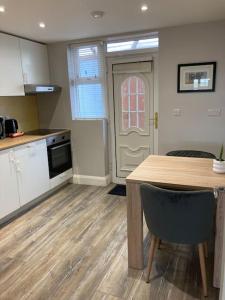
144,7
42,24
2,9
97,14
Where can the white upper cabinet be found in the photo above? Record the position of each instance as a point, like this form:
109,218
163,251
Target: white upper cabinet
11,75
21,62
34,62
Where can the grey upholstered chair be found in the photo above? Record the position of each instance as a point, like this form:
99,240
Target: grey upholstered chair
184,217
191,153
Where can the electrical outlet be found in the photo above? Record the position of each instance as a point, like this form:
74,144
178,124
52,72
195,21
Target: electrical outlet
214,112
177,112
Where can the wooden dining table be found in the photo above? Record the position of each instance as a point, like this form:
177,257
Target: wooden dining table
183,173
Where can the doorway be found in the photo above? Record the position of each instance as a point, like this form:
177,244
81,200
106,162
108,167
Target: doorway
134,126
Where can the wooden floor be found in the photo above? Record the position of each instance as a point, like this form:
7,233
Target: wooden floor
74,246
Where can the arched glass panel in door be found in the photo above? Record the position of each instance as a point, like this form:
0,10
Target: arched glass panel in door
133,103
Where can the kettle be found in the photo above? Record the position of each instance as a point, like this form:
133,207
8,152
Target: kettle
2,127
11,126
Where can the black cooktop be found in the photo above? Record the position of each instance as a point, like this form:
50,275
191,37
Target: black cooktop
43,131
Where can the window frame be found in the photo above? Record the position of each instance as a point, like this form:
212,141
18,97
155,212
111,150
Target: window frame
138,37
132,45
75,81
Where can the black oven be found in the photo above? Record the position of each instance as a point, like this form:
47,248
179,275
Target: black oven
59,154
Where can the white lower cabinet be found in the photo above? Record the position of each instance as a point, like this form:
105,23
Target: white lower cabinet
9,196
31,163
24,175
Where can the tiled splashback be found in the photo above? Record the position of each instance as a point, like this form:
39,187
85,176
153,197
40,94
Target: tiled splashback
24,109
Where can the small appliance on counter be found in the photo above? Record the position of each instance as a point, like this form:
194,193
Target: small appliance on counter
2,127
11,127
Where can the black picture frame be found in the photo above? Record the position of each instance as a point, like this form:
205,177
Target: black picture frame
212,65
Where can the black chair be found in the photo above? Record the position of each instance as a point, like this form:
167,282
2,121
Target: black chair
182,217
191,153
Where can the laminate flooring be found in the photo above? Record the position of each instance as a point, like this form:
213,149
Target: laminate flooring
74,246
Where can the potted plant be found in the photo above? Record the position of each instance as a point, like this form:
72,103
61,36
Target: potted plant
219,163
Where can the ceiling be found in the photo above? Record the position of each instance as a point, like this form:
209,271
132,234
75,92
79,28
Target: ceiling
70,19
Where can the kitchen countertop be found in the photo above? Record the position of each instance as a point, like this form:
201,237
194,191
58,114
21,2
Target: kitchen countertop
27,138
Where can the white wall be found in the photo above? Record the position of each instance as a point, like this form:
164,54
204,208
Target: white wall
194,129
90,147
89,138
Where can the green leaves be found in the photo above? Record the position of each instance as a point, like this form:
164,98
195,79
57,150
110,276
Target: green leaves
221,154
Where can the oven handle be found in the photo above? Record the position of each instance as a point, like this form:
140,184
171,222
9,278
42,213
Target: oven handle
60,146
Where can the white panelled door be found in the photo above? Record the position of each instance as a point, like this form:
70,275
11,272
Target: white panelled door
133,100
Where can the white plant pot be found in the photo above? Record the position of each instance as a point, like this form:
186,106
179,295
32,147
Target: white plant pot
218,166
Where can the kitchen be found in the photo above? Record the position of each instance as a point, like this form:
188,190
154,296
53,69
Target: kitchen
88,90
43,153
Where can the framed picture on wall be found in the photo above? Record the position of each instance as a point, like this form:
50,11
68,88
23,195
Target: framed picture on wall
197,77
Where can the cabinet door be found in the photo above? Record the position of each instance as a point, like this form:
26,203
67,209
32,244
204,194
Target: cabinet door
34,62
11,76
9,196
32,170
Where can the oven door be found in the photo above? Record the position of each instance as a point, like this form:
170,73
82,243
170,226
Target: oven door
59,158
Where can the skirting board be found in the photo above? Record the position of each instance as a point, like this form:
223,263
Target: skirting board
92,180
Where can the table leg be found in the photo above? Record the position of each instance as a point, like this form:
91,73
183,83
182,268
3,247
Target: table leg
134,227
219,240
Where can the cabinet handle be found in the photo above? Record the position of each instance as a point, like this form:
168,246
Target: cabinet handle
25,78
18,166
11,158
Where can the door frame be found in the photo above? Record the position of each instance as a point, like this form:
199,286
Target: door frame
111,105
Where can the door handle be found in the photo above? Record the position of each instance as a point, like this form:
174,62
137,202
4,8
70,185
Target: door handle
156,120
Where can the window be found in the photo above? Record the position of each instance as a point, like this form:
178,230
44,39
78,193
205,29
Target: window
87,82
133,44
133,103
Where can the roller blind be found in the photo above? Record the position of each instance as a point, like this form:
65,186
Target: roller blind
88,81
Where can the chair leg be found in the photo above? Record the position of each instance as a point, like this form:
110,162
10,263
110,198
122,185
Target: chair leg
158,243
206,249
151,255
203,268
